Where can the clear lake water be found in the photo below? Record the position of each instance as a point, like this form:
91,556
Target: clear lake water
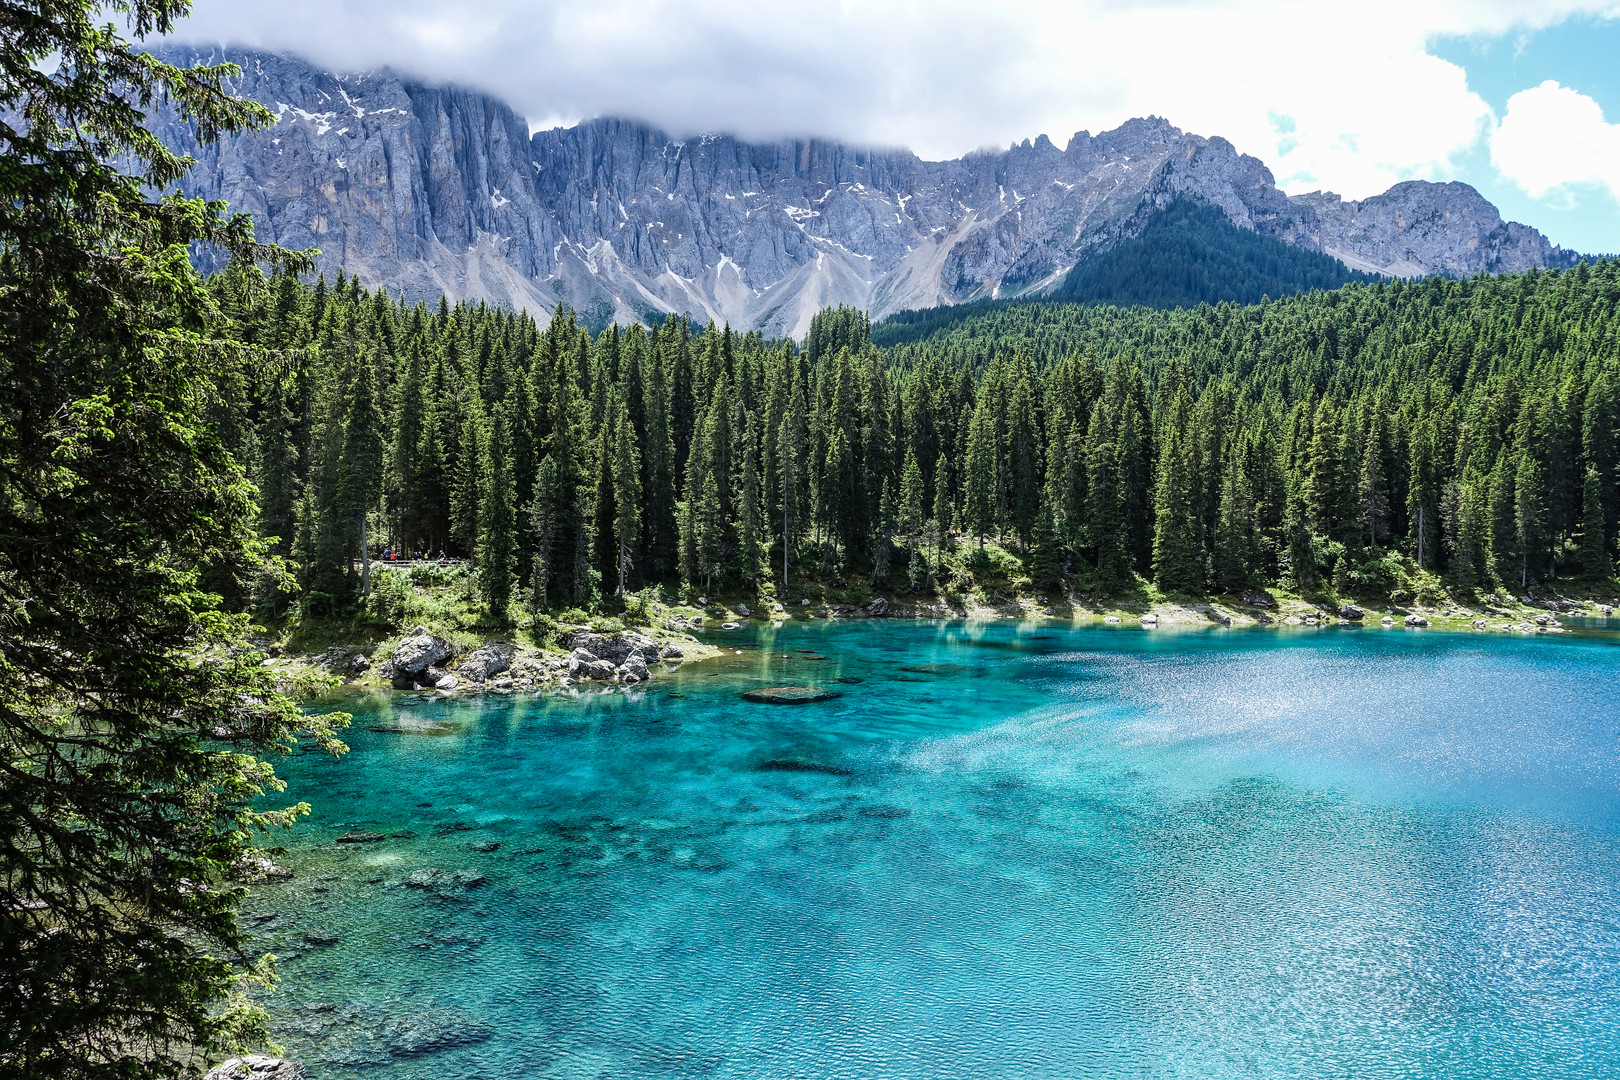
1006,850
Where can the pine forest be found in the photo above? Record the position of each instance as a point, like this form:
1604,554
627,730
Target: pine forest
1462,432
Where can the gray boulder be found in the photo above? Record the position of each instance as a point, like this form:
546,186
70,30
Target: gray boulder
878,608
614,648
634,670
1416,620
414,656
257,1067
599,670
1350,611
487,661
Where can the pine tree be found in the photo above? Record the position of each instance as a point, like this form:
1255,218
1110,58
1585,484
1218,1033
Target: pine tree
750,527
1530,517
1234,528
497,517
791,455
545,521
1594,548
362,464
1105,508
465,492
137,724
1372,487
1175,540
910,522
626,492
980,478
277,477
604,509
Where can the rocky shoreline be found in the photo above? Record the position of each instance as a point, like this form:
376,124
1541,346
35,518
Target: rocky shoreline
424,662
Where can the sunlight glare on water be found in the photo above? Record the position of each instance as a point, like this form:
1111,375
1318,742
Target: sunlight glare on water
1005,850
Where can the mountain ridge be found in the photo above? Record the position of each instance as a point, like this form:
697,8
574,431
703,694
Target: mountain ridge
438,190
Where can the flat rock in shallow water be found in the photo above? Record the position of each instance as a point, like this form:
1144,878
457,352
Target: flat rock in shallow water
361,836
936,669
434,878
803,765
413,726
790,695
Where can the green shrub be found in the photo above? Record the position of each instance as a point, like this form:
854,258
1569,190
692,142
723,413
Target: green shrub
392,600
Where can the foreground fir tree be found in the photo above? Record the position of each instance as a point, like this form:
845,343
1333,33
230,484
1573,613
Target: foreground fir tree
132,726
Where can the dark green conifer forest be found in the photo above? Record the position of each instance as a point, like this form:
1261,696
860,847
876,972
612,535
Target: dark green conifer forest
1466,429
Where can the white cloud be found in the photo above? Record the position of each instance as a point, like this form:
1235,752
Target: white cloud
1343,96
1553,138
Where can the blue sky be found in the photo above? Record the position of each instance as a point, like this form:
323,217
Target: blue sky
1583,55
1520,98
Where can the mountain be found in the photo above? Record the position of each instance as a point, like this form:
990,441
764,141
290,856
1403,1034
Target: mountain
432,190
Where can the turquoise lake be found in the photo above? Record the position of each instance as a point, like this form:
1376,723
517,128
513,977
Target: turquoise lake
1005,851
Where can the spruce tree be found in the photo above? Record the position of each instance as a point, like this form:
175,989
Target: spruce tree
137,723
1530,518
1234,528
943,516
750,527
1175,540
497,517
545,520
1105,503
277,475
362,465
911,519
980,478
465,490
1595,561
627,496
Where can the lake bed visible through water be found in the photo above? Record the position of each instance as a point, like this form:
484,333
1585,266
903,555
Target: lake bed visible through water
1004,851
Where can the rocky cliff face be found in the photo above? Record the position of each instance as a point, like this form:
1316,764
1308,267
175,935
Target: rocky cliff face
429,190
1418,228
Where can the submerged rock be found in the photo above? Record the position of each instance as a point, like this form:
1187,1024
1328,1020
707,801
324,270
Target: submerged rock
936,669
436,879
790,695
803,765
361,836
430,1030
429,728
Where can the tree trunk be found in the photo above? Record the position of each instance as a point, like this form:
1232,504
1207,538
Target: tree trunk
365,561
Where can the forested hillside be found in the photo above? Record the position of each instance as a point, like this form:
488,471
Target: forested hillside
1466,428
1191,254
